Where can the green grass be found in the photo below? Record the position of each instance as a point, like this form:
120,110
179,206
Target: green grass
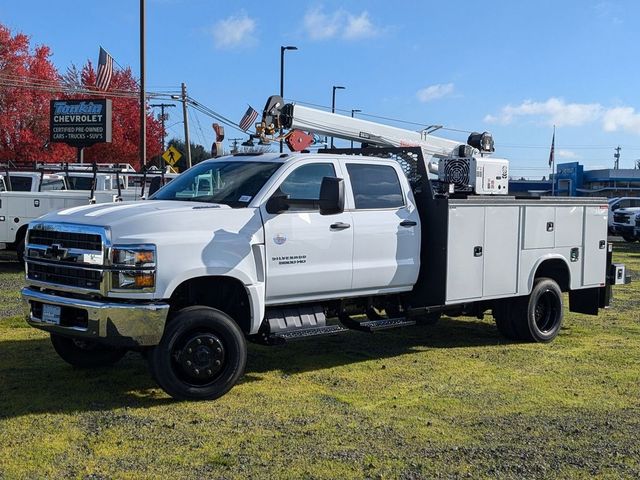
453,400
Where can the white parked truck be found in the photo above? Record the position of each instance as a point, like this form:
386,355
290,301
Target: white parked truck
280,247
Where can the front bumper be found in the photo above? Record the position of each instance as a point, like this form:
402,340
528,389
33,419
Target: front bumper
623,229
112,323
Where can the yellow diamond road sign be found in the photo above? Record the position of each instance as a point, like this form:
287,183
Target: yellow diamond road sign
172,155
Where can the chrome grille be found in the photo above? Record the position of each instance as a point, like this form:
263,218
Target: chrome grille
67,256
84,241
89,279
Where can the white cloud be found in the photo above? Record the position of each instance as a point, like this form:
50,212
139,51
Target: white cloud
434,92
320,25
555,111
566,154
234,31
621,118
359,26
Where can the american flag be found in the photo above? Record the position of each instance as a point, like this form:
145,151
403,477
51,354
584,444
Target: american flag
553,147
105,70
248,119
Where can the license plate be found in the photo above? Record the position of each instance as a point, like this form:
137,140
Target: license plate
51,314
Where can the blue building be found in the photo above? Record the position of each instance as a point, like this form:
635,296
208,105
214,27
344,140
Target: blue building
571,179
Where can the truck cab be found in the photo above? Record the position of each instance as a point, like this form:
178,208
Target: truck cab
32,182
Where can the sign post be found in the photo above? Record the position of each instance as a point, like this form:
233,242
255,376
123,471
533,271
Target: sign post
80,123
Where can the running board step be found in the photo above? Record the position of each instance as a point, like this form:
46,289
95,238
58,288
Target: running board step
294,335
375,325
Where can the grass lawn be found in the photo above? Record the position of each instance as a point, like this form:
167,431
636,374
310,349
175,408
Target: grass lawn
452,400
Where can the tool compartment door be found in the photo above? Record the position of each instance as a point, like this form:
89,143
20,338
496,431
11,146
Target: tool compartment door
501,238
595,245
465,263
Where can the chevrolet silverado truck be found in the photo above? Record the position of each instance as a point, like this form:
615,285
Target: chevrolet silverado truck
280,247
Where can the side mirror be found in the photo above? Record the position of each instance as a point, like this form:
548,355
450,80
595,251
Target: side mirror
278,203
331,196
155,185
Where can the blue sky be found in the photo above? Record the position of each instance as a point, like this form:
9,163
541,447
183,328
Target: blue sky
514,68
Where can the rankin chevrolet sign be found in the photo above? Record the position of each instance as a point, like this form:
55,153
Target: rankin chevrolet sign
80,123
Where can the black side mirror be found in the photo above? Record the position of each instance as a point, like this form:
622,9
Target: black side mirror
331,196
154,186
278,203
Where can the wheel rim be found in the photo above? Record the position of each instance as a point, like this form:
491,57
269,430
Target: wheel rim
546,311
199,358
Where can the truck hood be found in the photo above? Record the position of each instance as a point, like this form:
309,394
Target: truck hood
151,220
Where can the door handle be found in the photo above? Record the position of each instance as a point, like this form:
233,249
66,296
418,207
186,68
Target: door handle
408,223
339,226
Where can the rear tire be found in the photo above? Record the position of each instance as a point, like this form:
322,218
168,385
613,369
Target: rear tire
84,353
535,318
505,313
201,356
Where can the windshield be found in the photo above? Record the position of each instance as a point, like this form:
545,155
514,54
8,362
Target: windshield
232,183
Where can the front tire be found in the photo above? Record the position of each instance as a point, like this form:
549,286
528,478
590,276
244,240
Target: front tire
84,353
628,238
201,356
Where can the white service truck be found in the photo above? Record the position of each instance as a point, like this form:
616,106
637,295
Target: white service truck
280,247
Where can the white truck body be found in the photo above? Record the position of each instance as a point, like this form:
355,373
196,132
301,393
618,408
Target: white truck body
30,182
275,247
296,257
17,209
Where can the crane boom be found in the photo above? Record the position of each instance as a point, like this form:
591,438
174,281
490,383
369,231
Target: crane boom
292,116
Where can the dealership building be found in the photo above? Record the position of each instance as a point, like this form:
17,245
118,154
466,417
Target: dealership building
571,179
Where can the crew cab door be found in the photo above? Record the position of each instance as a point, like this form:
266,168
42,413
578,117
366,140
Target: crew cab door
309,255
386,246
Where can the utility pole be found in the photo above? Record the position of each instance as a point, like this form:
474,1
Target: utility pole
163,118
353,114
333,102
186,124
143,102
616,156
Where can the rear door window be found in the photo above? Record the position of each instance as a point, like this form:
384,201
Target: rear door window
375,186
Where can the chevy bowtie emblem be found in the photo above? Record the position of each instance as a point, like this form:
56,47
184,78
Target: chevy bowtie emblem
56,252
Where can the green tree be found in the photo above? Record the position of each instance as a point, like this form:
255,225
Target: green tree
198,153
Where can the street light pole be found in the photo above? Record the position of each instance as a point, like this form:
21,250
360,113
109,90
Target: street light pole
143,109
333,102
282,50
353,112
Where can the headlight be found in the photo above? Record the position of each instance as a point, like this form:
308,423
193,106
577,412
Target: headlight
136,256
133,280
133,268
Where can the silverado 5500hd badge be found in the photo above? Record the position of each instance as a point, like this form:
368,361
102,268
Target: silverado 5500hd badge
290,259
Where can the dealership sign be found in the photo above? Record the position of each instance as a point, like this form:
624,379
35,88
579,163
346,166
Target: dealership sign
80,123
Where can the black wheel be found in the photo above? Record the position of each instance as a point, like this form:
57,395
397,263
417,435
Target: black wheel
505,312
542,318
628,238
201,356
20,249
84,353
428,318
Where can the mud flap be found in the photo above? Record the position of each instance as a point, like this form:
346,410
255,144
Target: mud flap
589,300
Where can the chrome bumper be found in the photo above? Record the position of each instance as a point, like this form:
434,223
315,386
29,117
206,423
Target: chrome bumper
118,324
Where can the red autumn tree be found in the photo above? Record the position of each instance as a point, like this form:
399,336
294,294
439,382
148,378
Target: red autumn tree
28,81
123,92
